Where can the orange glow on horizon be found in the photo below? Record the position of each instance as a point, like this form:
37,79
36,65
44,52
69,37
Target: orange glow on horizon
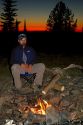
36,28
42,27
79,26
79,29
33,27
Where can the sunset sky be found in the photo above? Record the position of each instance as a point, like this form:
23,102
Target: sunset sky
36,12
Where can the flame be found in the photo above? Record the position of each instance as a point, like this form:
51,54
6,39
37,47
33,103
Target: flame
40,107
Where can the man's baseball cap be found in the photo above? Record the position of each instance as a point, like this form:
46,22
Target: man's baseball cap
21,36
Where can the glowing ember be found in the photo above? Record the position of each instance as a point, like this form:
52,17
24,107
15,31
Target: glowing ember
41,107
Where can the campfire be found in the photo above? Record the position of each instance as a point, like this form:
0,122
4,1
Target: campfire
40,107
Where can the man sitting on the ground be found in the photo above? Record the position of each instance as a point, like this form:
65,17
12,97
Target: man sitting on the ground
22,61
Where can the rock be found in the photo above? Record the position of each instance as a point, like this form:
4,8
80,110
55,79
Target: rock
64,116
72,115
9,111
20,123
66,103
65,93
9,122
76,115
26,122
52,116
75,92
4,98
68,77
71,83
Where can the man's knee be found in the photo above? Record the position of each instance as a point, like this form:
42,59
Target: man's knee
15,67
39,66
42,66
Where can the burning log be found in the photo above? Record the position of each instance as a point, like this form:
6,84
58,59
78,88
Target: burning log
53,84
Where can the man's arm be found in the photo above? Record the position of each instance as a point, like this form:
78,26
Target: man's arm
15,57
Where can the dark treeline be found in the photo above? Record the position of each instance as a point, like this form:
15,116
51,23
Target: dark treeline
45,42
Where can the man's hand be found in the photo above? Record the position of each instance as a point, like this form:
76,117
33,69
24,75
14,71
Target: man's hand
27,68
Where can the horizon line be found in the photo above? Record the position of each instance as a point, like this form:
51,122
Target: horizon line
41,31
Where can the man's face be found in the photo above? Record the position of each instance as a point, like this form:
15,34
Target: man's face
23,41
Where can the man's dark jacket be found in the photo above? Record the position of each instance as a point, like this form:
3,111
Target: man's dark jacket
17,55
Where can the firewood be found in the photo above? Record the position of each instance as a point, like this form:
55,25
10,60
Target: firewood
76,116
79,115
73,66
55,100
53,84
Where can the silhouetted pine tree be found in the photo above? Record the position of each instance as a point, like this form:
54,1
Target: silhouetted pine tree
8,15
25,25
17,25
61,19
